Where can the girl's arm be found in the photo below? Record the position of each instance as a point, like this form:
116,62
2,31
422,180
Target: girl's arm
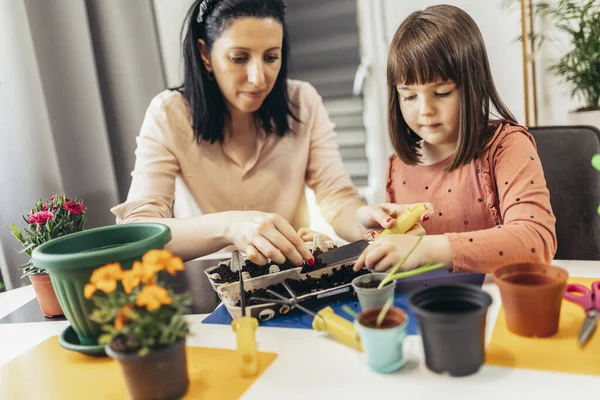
526,223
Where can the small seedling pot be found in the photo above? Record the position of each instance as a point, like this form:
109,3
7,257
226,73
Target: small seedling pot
372,297
383,345
451,320
531,297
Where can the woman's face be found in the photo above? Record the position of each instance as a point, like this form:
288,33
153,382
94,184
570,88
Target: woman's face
246,60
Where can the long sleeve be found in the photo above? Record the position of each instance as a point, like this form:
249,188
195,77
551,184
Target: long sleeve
525,230
153,179
325,173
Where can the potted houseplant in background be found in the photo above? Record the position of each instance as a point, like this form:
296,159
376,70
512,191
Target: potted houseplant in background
579,20
144,324
47,220
578,24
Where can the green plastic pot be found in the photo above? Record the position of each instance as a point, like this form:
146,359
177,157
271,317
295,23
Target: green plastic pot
71,259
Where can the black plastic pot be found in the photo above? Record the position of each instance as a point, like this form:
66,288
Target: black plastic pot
451,320
159,375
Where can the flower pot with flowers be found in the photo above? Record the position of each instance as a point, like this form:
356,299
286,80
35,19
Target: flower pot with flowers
56,217
144,324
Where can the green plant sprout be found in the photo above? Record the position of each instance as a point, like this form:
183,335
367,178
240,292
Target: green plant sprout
380,317
392,276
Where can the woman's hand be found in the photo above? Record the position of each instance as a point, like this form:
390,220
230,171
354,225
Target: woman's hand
376,218
263,236
308,235
387,251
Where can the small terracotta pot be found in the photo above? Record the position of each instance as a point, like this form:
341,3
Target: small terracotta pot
159,375
531,296
44,291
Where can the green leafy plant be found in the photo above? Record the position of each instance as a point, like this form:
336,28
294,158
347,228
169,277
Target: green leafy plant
58,216
135,309
380,317
580,66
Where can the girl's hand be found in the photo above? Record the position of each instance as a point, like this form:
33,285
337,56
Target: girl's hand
374,219
263,236
308,235
387,251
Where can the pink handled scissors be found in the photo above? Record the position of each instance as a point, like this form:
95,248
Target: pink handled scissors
589,300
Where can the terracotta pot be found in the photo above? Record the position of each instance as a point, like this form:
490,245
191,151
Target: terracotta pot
159,375
531,296
44,291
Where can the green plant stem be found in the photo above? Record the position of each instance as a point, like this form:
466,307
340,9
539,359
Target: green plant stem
384,310
406,274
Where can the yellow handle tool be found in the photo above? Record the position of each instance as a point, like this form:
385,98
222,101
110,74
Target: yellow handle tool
405,221
245,328
340,328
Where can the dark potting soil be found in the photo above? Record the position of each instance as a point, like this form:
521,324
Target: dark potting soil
228,276
338,277
125,344
371,284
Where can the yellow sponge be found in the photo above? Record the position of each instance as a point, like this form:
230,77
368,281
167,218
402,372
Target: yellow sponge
405,221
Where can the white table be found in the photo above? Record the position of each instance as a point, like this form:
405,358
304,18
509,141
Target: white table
310,365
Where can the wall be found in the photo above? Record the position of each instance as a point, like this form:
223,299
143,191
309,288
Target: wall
500,28
169,17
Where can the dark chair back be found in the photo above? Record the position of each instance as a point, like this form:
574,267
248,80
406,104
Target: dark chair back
566,153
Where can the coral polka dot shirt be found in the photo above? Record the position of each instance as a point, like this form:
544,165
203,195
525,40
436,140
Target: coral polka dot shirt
495,210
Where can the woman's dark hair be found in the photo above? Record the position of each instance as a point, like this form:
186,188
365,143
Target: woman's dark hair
207,20
443,42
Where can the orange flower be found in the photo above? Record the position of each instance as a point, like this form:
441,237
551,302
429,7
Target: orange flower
160,260
104,278
122,319
89,290
153,297
131,279
173,265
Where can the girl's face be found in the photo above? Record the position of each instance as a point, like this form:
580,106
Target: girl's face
246,60
431,111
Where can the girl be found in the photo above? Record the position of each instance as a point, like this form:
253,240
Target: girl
241,141
482,175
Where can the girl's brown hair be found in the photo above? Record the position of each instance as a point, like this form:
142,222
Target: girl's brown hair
443,42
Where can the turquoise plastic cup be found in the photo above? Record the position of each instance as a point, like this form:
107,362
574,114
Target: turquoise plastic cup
383,346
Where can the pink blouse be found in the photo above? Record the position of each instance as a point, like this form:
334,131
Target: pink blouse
495,211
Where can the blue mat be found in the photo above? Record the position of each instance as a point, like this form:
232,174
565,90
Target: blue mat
301,320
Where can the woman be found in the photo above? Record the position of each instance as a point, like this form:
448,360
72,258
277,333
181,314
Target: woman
245,141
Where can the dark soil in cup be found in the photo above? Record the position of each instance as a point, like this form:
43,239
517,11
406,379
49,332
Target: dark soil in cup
371,284
529,279
338,277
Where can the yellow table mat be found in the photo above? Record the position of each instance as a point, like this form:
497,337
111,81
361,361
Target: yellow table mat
50,372
559,353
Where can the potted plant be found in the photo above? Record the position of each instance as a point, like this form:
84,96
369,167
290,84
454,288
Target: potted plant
144,324
373,290
58,216
382,331
579,22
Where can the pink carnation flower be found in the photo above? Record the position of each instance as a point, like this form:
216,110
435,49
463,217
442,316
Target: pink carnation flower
40,217
73,207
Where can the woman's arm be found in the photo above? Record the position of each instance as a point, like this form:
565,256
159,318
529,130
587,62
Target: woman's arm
261,235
